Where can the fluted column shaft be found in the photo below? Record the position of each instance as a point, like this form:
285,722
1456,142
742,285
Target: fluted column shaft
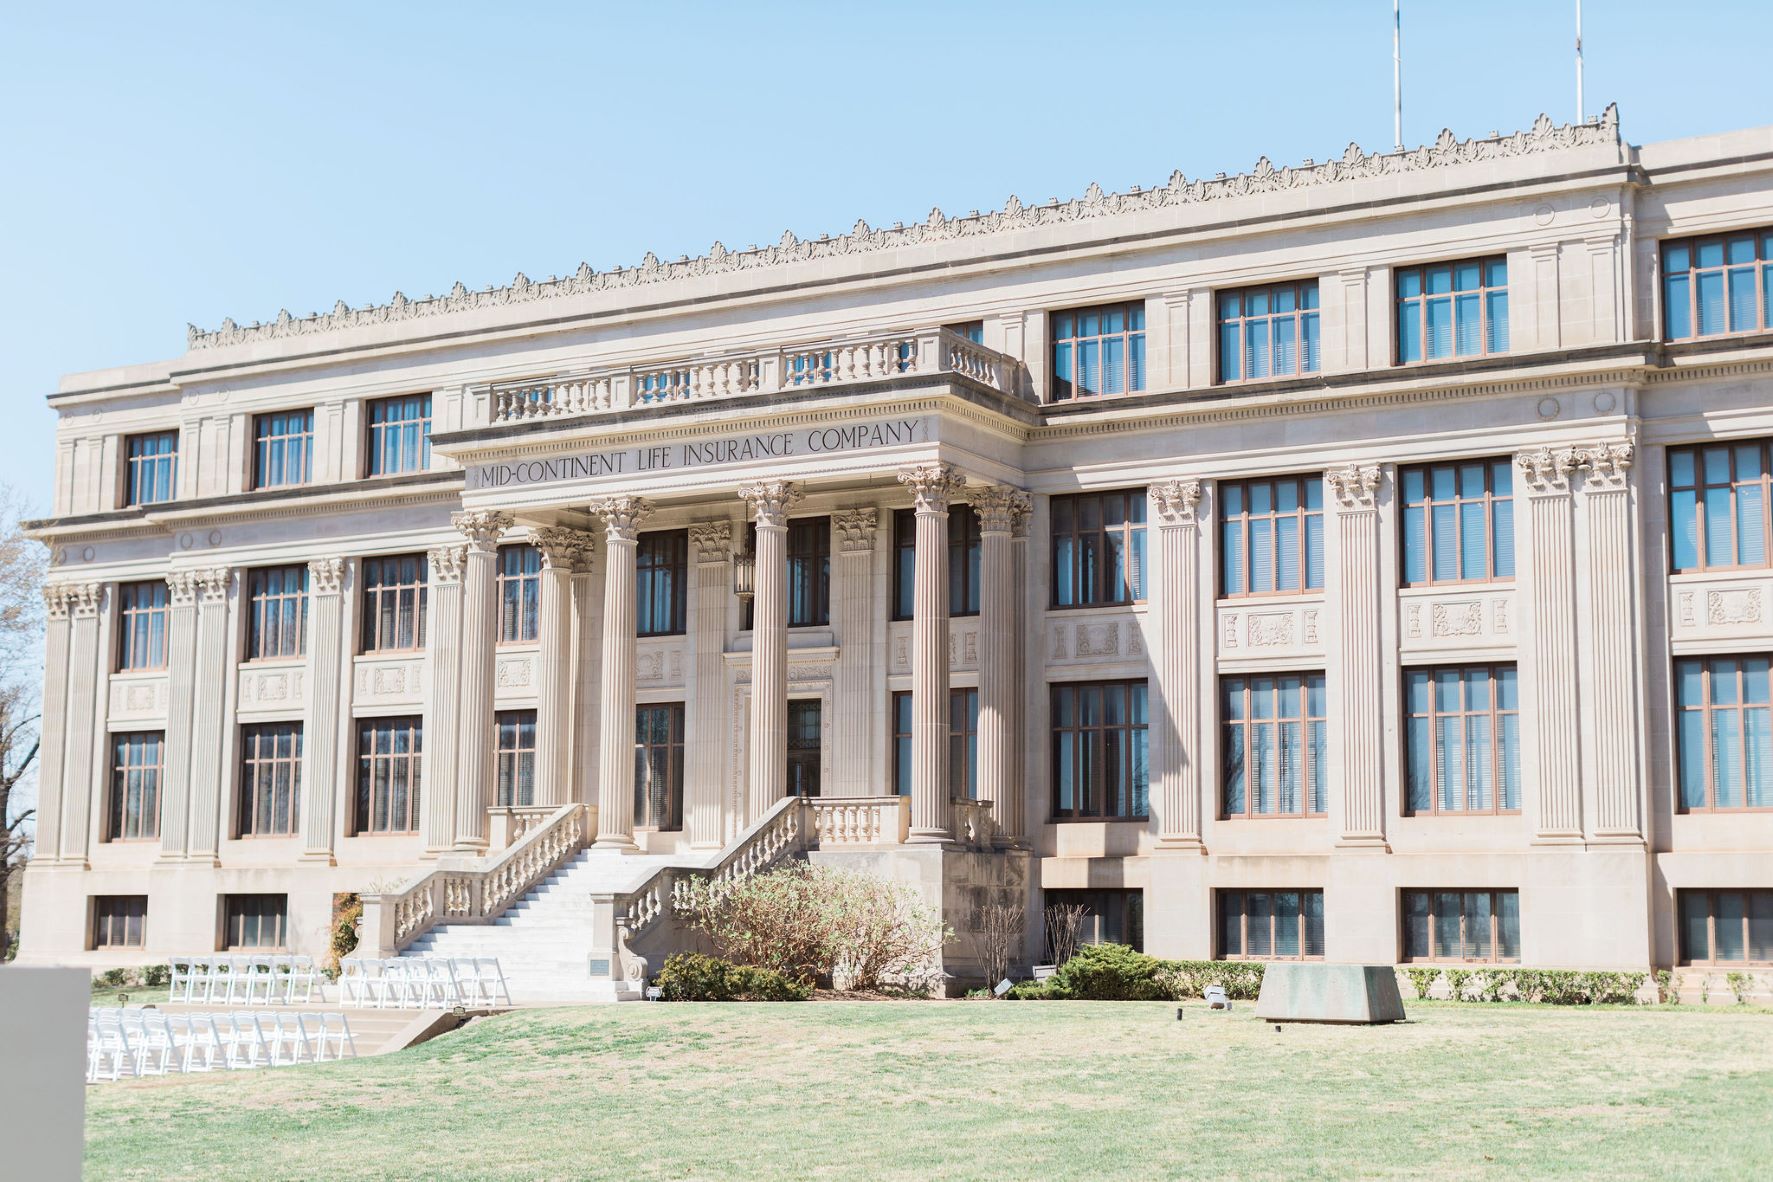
1612,622
770,502
208,715
475,773
852,678
560,549
181,698
1178,670
1000,695
59,600
1360,694
615,765
443,668
586,678
1556,777
931,485
710,548
320,729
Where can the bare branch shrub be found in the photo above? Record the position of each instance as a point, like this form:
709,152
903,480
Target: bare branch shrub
1064,928
23,564
998,933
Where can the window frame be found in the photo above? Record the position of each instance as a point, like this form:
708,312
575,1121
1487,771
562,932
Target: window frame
1760,269
396,438
1698,489
673,753
514,761
1496,894
661,557
134,465
1709,706
1423,297
1489,500
269,441
1306,319
104,925
1302,920
408,596
1495,713
812,754
147,787
518,590
1755,902
235,917
811,582
262,601
1306,488
1247,720
261,769
147,624
1132,530
409,763
964,576
1136,711
1130,338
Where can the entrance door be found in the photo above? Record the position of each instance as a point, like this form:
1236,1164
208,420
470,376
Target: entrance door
805,747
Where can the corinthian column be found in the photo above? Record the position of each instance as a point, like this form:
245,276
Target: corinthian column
58,599
770,501
480,630
215,656
181,675
1359,605
1611,620
711,545
853,677
320,730
1000,695
615,766
931,487
562,550
443,667
1177,503
1551,567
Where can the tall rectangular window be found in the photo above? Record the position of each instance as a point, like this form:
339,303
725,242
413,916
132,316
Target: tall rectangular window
153,468
1098,351
1726,927
276,612
142,614
515,747
1452,310
963,562
963,744
283,448
658,766
1100,764
136,762
809,572
661,570
1271,536
806,746
902,743
1110,916
1718,496
1268,332
520,594
270,779
1722,283
399,435
1725,734
1462,740
1099,548
255,923
390,759
394,603
1270,925
1482,927
1458,522
119,921
1273,745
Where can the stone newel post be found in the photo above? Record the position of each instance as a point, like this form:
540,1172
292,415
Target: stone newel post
770,501
932,485
615,764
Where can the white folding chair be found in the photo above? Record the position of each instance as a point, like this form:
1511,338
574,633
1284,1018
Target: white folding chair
489,981
93,1054
313,1029
245,1043
111,1055
289,1042
303,978
203,1044
261,980
336,1035
396,983
179,978
155,1050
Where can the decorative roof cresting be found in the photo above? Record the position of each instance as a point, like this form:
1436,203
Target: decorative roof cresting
1544,136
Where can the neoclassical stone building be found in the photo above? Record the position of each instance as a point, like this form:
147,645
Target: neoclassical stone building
1366,559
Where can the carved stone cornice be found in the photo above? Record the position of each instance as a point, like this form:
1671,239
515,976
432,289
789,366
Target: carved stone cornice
212,584
482,527
998,506
448,563
326,576
1548,469
563,548
712,540
856,528
1447,151
1607,466
932,485
1177,501
1355,485
622,516
770,500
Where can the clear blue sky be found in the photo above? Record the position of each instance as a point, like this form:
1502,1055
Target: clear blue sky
172,162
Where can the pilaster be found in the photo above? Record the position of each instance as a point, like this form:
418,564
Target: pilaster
853,677
181,693
1555,778
561,550
475,774
932,486
209,720
770,502
711,548
587,678
1613,643
443,672
320,729
1359,602
615,775
58,599
1000,694
1177,510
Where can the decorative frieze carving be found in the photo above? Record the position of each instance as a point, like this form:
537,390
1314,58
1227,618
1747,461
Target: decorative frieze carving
856,528
1548,469
712,540
998,507
1734,605
770,500
447,563
1355,485
326,576
1605,466
482,527
1269,629
932,485
1177,501
622,516
1608,464
863,239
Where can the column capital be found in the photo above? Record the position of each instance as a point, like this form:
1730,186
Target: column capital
78,599
622,516
447,563
482,527
563,548
1177,501
770,500
1548,469
326,576
213,582
1607,465
1355,485
856,528
932,485
998,507
712,540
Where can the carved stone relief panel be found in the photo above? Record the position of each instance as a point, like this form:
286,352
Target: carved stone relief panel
1092,639
136,696
1454,618
1722,607
390,680
1258,629
659,664
280,689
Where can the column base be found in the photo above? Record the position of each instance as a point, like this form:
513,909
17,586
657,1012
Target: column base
1182,845
318,858
615,844
476,846
936,837
1560,838
1369,843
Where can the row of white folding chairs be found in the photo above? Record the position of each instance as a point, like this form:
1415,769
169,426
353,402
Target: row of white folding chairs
245,980
150,1042
422,982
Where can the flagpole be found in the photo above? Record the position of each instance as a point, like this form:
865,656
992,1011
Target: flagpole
1397,75
1579,111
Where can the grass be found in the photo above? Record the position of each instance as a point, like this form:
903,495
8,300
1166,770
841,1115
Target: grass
945,1090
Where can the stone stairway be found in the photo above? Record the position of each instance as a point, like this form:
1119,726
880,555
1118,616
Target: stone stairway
543,941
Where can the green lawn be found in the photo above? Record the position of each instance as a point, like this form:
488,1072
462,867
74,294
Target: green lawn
982,1090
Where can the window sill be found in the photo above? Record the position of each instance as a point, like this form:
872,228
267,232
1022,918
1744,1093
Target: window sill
1145,820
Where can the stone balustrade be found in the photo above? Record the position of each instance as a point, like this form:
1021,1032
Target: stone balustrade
865,820
815,365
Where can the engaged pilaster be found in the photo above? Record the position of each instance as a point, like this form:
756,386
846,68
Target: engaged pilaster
1551,571
215,654
1000,694
1177,505
320,730
586,678
1359,605
711,547
58,601
1611,620
932,486
615,778
853,677
475,773
562,551
181,697
443,676
770,502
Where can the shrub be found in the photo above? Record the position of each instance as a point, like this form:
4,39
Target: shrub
157,976
1115,972
1739,983
347,909
690,976
1456,979
1241,979
1422,979
114,978
1668,987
